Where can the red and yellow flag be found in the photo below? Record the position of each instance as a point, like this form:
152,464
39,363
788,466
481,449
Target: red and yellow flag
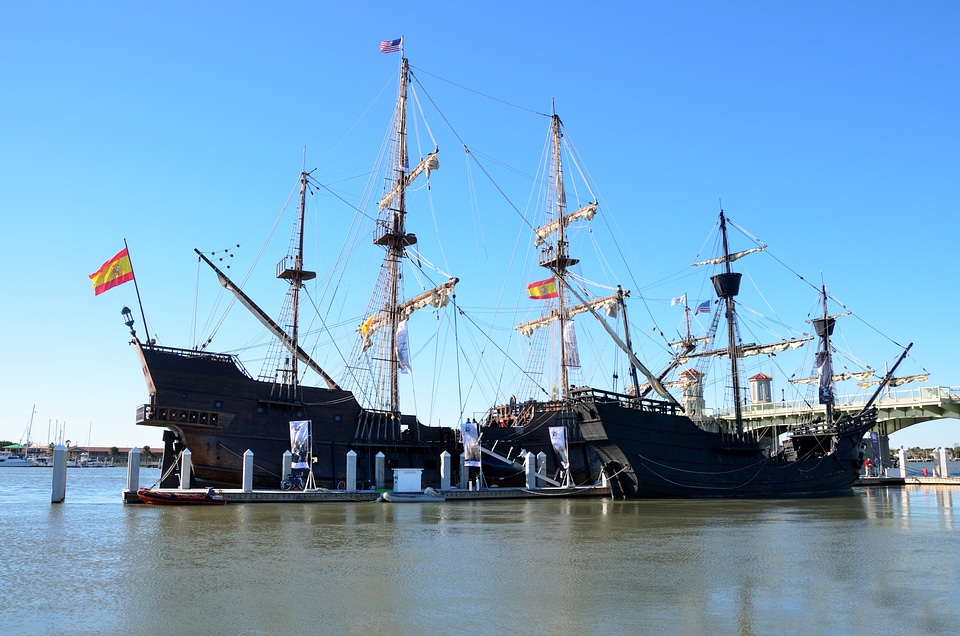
543,289
116,271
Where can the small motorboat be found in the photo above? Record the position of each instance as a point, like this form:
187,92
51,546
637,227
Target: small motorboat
175,498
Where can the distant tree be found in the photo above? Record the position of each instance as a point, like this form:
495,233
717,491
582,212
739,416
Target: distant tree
114,452
146,454
5,443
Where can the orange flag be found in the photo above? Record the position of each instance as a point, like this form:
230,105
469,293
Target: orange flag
116,271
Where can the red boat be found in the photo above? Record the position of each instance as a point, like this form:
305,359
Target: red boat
172,498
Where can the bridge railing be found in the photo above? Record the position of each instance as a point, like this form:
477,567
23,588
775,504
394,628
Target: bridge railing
889,397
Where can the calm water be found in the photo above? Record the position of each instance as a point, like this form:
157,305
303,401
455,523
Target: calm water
882,561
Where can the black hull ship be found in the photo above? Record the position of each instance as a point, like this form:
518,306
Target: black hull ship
208,403
659,447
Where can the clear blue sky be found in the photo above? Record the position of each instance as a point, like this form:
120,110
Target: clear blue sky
828,129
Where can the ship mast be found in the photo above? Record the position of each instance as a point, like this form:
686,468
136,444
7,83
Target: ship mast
824,327
557,259
727,286
291,269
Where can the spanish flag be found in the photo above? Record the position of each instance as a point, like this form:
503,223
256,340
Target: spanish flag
116,271
543,289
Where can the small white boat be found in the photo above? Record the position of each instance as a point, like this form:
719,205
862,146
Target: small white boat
429,495
10,460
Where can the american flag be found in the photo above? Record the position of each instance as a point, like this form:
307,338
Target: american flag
390,46
703,308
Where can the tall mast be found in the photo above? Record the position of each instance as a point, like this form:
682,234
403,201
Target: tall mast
393,236
557,259
727,286
291,269
824,327
621,295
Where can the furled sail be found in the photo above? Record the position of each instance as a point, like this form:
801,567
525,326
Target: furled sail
437,297
840,377
429,163
729,258
751,349
923,377
587,212
609,304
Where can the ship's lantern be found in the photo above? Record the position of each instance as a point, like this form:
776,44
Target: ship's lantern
128,320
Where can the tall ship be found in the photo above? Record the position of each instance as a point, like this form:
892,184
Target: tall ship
659,447
643,439
210,404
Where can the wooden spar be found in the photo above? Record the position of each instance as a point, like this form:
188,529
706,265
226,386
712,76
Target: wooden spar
269,323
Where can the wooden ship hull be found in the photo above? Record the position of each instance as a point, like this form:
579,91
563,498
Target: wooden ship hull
651,450
208,404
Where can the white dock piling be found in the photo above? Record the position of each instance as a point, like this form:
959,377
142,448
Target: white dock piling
351,484
464,471
248,471
59,491
530,468
381,470
445,470
287,465
133,470
541,469
186,465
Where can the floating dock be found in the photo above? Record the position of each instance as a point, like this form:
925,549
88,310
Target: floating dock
237,495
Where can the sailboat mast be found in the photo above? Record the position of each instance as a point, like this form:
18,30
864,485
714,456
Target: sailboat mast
727,286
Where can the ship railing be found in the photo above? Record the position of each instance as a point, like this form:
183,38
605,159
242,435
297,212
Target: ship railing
628,401
150,413
204,355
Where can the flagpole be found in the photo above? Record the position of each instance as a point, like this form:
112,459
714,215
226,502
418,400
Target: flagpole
143,316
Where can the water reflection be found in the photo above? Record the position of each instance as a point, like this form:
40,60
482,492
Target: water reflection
586,565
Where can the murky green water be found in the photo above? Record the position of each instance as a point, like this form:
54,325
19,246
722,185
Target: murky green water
882,561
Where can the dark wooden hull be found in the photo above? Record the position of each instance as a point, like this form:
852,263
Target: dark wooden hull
534,436
209,405
158,498
651,450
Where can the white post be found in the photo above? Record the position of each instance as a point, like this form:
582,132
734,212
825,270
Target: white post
464,471
185,468
287,465
59,492
381,470
530,468
445,470
248,471
942,462
351,471
133,470
541,469
902,457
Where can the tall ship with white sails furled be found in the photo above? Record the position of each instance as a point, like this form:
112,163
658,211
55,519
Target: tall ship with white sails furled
633,430
208,403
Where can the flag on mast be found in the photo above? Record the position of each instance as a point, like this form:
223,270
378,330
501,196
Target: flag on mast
390,46
115,271
703,308
543,289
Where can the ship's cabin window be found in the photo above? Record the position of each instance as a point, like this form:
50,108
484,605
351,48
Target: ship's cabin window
218,404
